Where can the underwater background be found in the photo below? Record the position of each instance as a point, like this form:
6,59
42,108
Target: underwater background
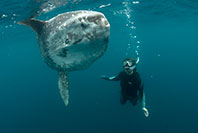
162,33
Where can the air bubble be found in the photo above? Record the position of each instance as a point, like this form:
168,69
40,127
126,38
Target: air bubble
132,23
135,2
132,47
133,27
4,16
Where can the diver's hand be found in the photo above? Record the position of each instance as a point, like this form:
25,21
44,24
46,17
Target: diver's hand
104,77
145,110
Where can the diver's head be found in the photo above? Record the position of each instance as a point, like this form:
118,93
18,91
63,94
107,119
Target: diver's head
129,65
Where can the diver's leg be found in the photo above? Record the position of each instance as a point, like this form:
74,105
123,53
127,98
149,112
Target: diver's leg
134,100
123,99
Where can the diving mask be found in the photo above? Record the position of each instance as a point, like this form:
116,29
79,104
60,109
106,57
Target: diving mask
128,66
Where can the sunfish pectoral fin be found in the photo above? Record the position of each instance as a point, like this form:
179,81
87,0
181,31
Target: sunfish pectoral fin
36,25
63,87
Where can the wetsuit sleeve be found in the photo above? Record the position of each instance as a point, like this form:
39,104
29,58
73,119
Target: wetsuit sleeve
142,95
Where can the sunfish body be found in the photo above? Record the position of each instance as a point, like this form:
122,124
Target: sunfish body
71,41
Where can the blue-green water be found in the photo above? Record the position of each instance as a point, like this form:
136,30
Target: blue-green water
162,32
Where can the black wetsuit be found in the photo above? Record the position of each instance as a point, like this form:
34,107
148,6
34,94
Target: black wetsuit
131,87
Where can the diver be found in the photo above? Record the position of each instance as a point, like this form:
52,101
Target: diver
131,84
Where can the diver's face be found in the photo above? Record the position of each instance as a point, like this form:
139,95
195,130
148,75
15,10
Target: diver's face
128,67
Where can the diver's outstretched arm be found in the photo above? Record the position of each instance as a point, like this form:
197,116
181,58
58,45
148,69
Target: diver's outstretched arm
144,109
113,78
143,101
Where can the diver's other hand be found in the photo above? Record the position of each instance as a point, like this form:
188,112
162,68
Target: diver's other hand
145,110
104,77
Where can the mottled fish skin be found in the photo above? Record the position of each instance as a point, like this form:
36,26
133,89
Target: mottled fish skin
71,41
74,40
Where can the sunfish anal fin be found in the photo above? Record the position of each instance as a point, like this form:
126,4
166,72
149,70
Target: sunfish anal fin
63,87
36,25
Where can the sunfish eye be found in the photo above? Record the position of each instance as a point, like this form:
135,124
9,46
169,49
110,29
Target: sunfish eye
84,25
67,41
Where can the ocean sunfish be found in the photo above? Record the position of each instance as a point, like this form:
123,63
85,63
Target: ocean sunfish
71,41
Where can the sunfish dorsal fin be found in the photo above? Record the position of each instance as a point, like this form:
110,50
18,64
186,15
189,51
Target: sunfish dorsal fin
36,25
63,87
